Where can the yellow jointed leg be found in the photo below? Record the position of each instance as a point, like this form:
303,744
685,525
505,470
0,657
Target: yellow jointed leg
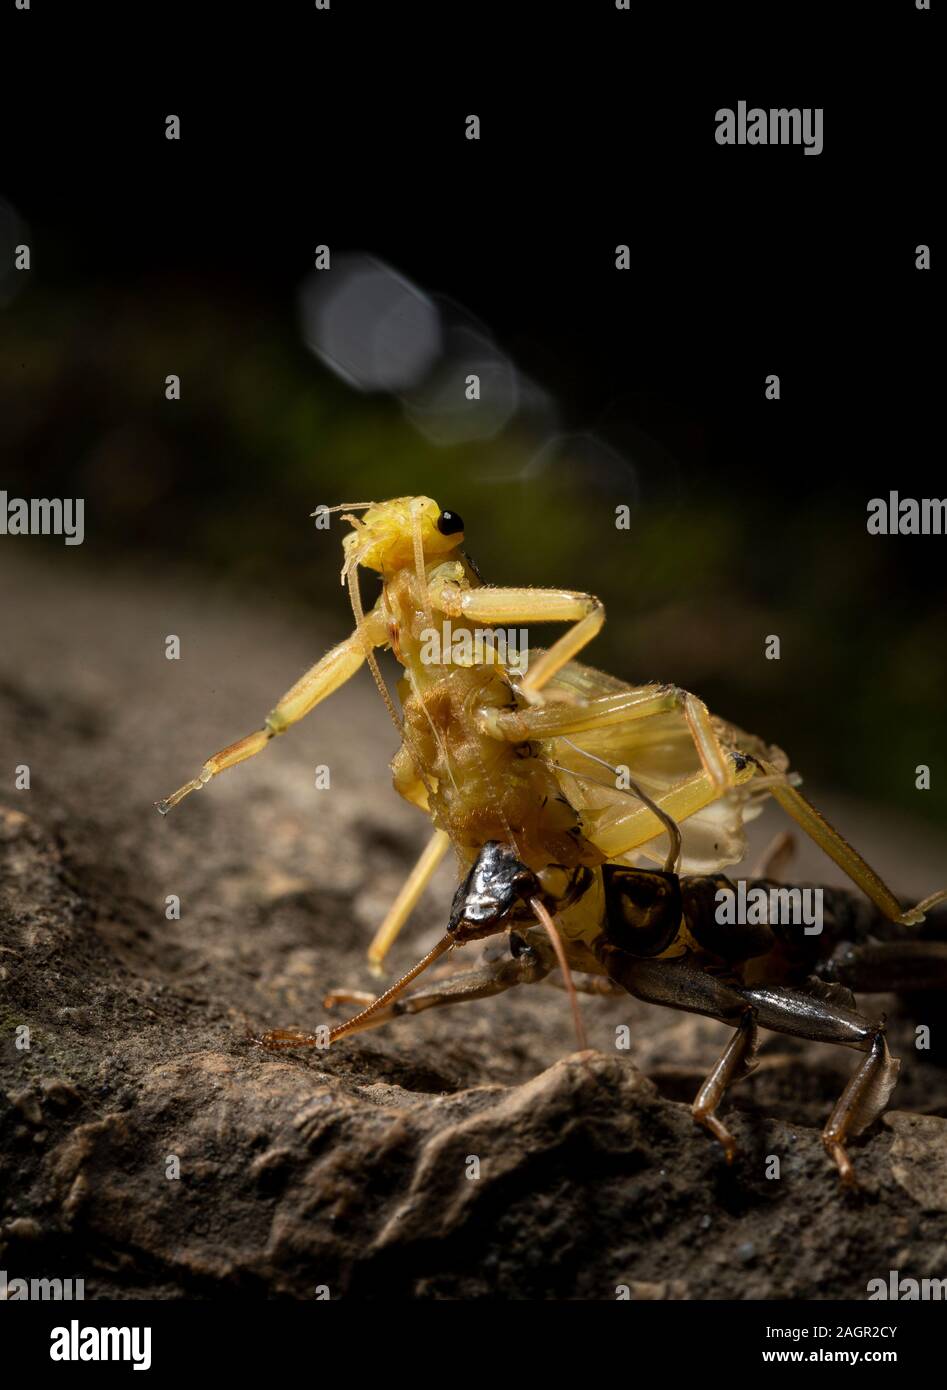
847,858
407,899
556,720
492,606
620,831
333,670
587,614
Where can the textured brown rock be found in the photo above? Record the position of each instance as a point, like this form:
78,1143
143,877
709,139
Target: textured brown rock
149,1148
919,1157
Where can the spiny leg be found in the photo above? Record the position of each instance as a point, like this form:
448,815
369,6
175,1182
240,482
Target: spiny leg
330,672
736,1061
619,831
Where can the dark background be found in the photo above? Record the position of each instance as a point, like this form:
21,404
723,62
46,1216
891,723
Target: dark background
152,256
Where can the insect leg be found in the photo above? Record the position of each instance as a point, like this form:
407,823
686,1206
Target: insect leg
333,670
532,964
848,859
736,1061
621,830
804,1015
556,720
800,1013
679,985
862,1101
407,899
487,605
880,967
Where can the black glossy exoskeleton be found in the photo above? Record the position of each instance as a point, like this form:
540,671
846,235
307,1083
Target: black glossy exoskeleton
664,939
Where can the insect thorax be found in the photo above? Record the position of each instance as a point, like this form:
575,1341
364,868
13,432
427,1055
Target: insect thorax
479,788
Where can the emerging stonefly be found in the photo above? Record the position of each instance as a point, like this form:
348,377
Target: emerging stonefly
556,785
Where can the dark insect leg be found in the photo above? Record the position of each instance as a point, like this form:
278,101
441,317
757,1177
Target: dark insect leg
675,984
862,1101
800,1013
678,985
881,967
737,1060
527,968
532,964
806,1015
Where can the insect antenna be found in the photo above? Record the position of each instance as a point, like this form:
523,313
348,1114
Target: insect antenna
356,600
435,732
670,825
355,1024
546,921
342,507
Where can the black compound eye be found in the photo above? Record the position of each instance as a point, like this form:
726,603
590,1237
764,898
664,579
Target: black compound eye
449,523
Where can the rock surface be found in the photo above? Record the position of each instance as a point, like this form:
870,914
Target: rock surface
150,1148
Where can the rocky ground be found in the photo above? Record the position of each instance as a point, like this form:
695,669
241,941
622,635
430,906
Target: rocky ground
348,1171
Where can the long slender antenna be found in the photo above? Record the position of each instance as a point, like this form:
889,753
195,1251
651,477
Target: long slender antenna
436,734
350,580
670,825
342,507
356,601
546,921
355,1024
